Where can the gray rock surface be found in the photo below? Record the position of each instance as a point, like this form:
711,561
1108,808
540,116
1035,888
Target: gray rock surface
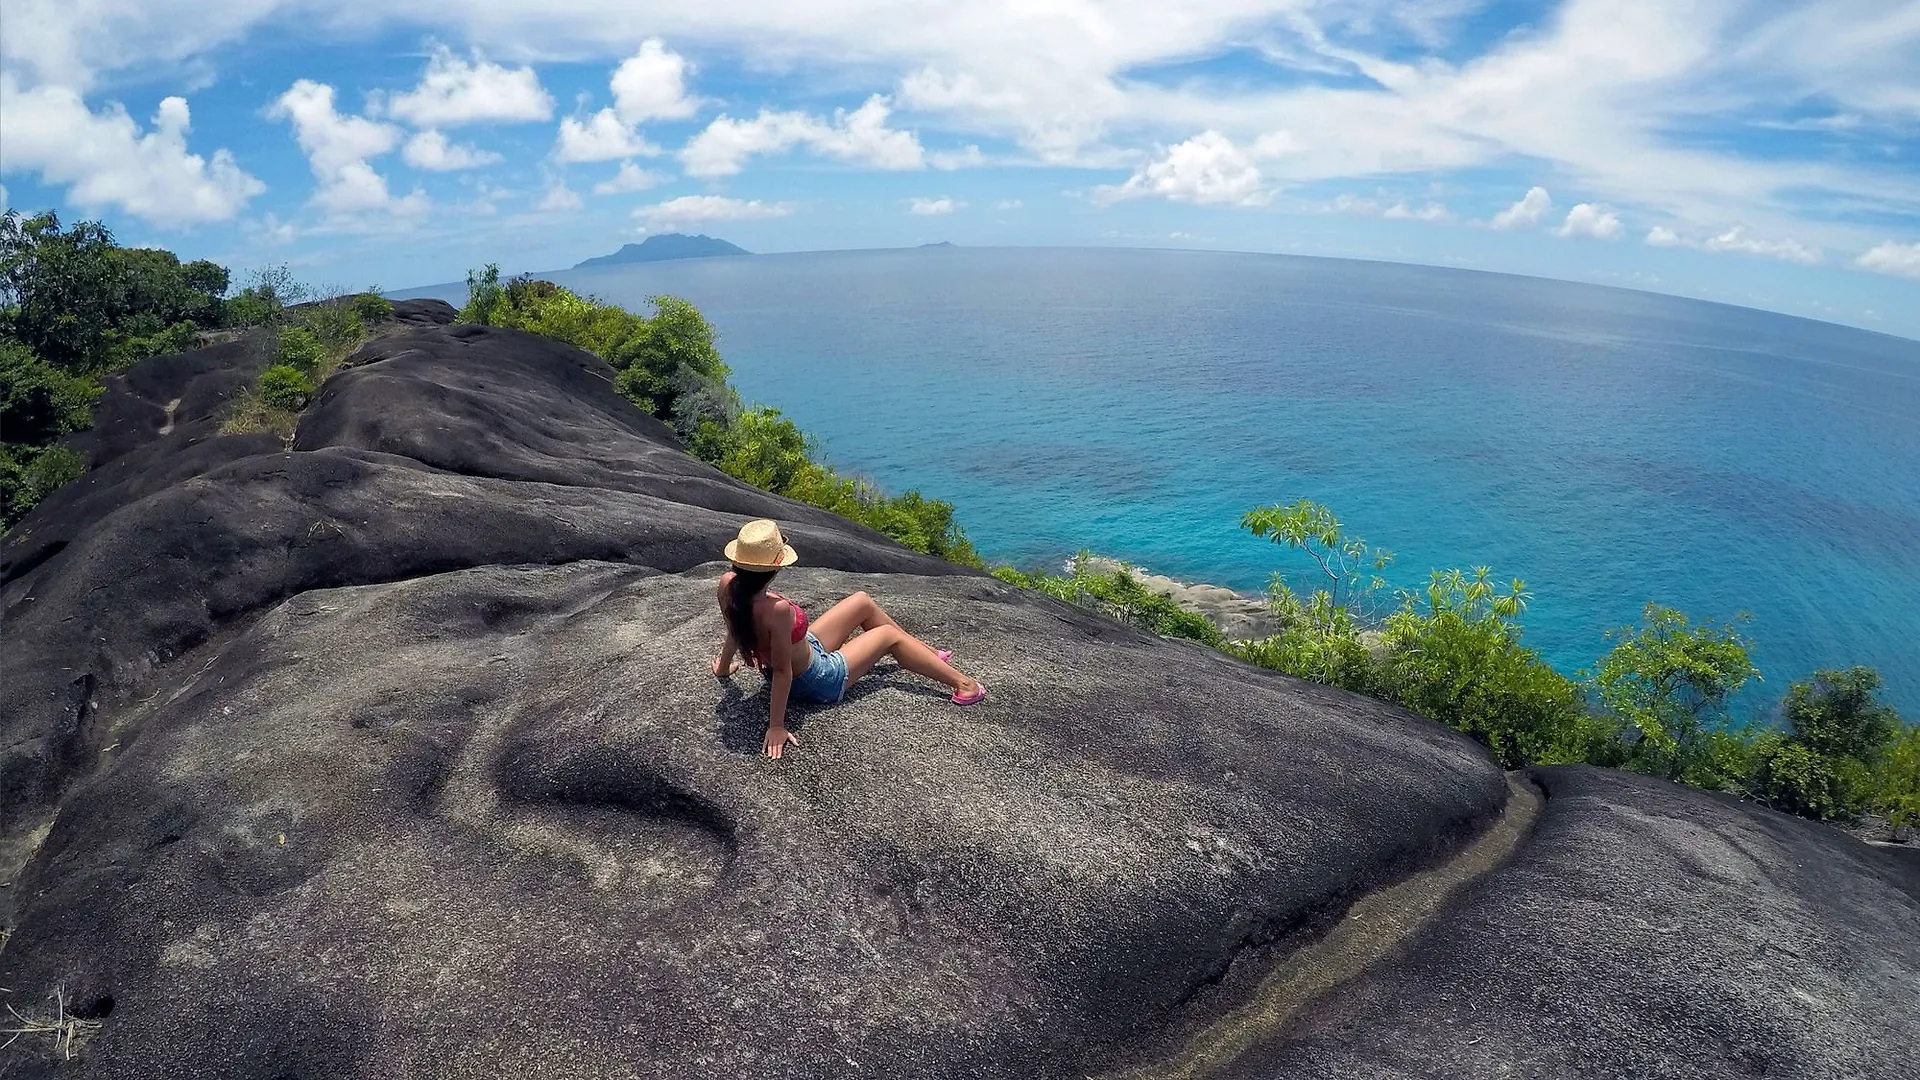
397,755
1648,931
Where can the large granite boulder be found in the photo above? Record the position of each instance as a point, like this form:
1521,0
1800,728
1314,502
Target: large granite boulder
396,754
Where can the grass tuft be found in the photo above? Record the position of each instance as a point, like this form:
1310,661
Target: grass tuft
69,1032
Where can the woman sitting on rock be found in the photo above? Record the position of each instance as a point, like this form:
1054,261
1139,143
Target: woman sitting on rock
818,664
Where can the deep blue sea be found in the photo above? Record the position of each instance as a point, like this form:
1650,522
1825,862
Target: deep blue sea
1609,447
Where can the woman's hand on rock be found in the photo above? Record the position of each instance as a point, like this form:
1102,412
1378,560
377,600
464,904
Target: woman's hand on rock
778,739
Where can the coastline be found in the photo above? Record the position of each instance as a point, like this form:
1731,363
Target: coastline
1238,616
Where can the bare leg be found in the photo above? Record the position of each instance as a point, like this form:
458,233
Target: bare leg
914,655
856,612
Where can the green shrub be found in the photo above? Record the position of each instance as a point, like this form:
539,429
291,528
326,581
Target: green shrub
29,474
127,350
300,350
1829,763
39,402
371,307
1669,681
1318,640
1119,595
1896,779
1795,778
1458,659
484,294
333,325
284,386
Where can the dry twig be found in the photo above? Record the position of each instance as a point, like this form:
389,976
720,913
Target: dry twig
68,1031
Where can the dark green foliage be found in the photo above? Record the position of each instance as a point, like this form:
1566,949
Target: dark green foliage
300,350
61,292
1835,713
39,402
1668,682
284,386
371,307
1829,763
1896,780
29,474
1119,595
85,305
656,364
74,307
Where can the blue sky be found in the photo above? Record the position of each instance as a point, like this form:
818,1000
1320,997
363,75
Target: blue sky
1758,152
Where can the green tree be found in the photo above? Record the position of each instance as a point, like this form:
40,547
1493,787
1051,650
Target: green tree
1837,733
39,402
61,292
676,345
1669,682
1348,566
29,474
1835,713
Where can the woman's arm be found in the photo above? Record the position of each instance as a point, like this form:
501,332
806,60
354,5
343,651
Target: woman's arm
778,737
728,662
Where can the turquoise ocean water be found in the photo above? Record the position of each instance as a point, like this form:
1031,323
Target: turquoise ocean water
1609,447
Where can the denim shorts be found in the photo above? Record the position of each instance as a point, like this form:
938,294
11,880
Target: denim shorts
825,678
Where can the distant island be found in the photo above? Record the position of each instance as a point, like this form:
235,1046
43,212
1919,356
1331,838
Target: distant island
939,243
667,246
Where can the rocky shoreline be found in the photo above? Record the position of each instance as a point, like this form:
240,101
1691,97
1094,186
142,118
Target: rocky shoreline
1237,615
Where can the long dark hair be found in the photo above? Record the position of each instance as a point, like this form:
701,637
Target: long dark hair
746,585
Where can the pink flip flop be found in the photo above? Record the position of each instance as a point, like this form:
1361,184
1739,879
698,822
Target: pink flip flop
977,696
944,654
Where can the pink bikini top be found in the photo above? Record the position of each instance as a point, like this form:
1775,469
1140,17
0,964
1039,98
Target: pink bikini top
799,618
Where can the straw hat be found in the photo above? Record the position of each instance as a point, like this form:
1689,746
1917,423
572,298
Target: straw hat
761,547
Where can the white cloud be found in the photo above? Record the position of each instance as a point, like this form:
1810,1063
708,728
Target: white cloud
1008,204
106,161
601,137
1526,213
1594,220
967,157
558,199
861,137
1207,168
630,178
338,148
1596,91
933,207
1398,210
1736,240
693,209
271,230
453,92
434,151
1890,257
652,85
